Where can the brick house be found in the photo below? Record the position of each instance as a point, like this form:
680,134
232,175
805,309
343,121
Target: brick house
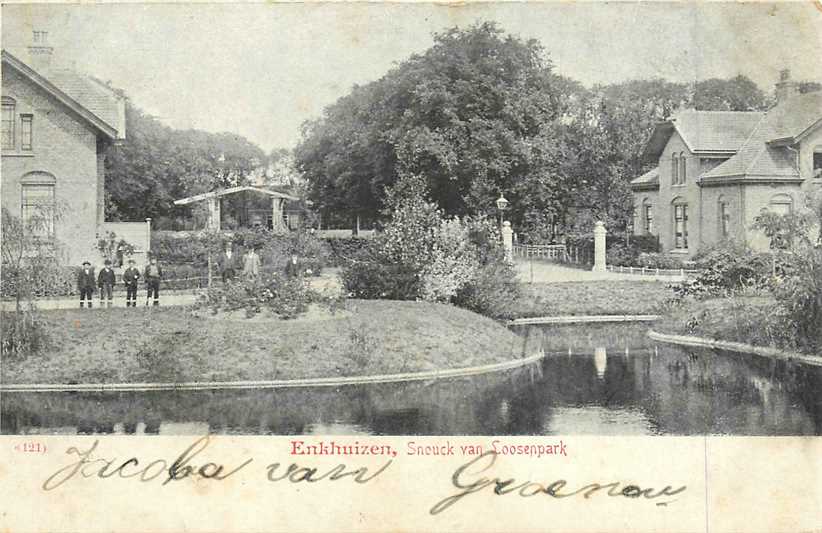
56,126
718,170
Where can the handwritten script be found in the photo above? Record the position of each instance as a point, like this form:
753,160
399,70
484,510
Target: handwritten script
474,477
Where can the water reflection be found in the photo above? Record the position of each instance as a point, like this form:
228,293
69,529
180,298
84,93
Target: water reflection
594,380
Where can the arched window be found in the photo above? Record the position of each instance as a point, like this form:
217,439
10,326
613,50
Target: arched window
680,223
9,118
647,216
816,172
723,217
674,170
682,168
781,204
37,202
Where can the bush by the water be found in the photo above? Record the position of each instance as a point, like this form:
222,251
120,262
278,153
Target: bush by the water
422,255
799,291
728,267
23,333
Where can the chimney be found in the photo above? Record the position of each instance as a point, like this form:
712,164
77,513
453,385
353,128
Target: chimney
40,52
785,87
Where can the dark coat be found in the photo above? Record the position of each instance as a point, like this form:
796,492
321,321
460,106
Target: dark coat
229,263
159,275
293,270
86,280
131,275
106,277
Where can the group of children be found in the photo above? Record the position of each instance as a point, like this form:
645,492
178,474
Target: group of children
105,281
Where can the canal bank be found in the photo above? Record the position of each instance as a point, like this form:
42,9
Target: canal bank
737,347
167,346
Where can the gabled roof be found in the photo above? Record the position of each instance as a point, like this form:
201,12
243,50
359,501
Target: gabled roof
765,153
796,117
649,180
704,131
99,106
232,190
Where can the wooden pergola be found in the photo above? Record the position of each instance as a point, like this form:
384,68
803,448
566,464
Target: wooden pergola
278,201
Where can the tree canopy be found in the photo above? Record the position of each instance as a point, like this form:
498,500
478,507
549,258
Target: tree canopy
157,164
482,113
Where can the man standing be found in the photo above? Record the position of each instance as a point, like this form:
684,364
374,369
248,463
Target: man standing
130,277
106,282
251,265
153,276
85,284
293,269
228,264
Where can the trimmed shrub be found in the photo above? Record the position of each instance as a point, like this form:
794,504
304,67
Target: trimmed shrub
371,280
661,261
44,280
342,249
188,248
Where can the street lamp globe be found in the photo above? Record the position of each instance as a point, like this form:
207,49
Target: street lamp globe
502,203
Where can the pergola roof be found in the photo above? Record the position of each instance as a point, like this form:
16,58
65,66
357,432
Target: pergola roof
232,190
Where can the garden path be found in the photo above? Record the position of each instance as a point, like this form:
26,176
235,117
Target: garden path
542,272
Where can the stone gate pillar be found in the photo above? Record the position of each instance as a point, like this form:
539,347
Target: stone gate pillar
599,247
508,241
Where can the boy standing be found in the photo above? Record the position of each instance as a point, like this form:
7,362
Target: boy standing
106,283
130,277
153,276
85,283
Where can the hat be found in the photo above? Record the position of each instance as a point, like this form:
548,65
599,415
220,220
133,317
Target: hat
107,262
86,263
131,260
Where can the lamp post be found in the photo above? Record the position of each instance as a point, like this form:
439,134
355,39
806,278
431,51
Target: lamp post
502,205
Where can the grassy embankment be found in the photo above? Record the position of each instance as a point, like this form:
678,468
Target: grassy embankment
170,345
612,297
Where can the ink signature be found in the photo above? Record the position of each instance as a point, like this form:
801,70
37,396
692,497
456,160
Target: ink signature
465,479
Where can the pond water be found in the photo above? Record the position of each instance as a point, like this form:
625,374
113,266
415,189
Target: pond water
595,379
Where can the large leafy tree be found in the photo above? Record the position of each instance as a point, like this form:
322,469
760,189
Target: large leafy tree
157,164
474,115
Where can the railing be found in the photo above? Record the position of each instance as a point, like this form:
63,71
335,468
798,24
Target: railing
558,253
646,271
541,251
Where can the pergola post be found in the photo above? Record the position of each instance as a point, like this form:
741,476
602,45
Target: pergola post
277,224
214,213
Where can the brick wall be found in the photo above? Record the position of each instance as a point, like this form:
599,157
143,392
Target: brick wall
64,147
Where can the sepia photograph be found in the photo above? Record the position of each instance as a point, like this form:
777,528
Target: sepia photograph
352,221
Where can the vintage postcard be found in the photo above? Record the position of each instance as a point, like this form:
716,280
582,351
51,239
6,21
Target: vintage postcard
406,266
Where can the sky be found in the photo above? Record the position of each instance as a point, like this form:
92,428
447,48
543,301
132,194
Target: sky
261,70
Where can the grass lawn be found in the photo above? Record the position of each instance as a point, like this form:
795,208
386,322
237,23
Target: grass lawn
611,297
747,319
172,345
